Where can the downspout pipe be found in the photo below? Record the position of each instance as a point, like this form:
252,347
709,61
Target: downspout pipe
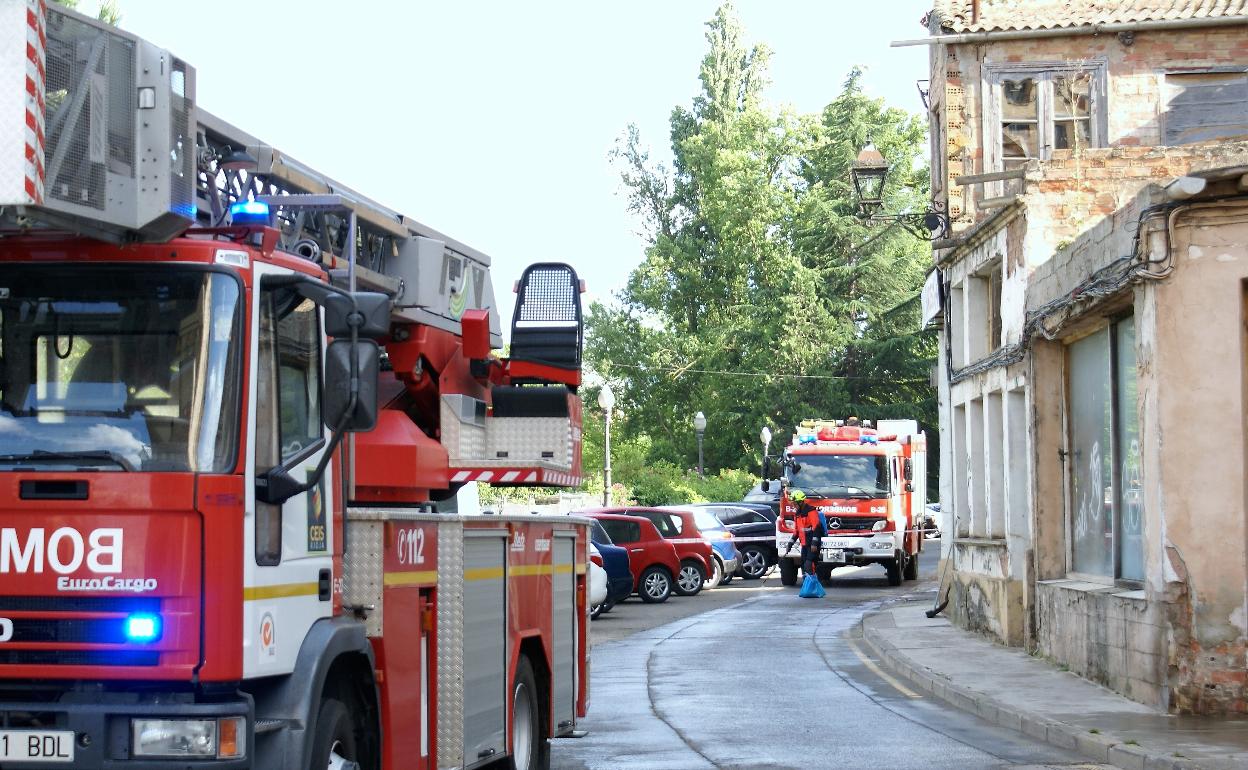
1108,28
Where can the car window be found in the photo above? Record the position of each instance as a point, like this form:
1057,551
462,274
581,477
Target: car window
667,524
732,515
705,519
622,531
599,535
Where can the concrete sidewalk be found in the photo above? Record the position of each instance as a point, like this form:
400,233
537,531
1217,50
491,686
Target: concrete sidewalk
1007,686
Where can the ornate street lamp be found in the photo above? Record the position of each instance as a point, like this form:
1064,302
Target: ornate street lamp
869,173
699,427
606,400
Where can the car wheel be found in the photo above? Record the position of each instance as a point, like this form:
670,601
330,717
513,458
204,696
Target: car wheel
893,567
529,748
595,610
655,585
717,573
727,579
333,744
691,578
753,563
911,570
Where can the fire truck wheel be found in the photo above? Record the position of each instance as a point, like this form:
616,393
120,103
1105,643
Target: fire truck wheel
691,578
912,567
894,571
529,748
334,744
788,572
824,571
655,585
753,563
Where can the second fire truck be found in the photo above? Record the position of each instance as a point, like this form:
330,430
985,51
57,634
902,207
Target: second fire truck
870,484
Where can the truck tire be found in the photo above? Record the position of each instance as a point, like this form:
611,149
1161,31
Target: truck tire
824,571
788,572
893,566
655,585
912,567
691,578
334,743
530,750
753,563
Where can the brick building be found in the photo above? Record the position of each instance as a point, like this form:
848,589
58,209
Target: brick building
1093,158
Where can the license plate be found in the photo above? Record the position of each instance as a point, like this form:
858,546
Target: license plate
833,556
37,746
841,542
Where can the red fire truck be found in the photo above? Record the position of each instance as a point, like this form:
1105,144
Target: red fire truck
870,484
236,402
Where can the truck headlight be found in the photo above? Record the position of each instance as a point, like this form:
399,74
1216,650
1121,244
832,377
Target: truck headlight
221,738
879,525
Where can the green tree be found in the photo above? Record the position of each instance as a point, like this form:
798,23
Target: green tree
762,297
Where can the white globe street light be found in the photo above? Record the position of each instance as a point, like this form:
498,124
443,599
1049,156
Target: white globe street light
699,427
606,400
764,435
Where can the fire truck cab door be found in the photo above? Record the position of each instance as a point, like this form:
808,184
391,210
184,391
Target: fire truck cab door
289,559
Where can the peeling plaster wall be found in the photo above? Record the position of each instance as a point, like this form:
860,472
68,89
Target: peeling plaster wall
1199,356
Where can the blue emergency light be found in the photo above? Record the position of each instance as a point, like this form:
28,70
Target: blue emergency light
249,213
142,627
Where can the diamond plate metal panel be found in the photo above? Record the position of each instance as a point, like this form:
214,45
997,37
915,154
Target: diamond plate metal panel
460,439
526,440
451,643
363,569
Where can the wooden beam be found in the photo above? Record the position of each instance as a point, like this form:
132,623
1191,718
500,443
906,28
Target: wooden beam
996,203
995,176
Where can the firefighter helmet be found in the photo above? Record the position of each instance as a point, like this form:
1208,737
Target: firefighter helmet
797,496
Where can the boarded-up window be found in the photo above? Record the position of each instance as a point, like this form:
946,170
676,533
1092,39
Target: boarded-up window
1205,107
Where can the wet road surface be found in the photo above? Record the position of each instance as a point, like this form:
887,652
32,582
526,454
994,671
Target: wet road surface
762,679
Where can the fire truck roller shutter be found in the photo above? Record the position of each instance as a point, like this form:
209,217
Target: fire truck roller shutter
485,646
335,657
564,634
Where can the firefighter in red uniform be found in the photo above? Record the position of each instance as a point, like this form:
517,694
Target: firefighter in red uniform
809,529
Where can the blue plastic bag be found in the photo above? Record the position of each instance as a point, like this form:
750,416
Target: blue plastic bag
812,588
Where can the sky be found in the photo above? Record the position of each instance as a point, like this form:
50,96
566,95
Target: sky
493,121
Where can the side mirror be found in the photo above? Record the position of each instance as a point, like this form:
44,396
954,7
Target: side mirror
338,384
373,309
795,467
909,471
276,486
765,486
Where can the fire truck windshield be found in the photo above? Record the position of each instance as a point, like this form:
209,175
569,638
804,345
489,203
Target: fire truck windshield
113,368
864,476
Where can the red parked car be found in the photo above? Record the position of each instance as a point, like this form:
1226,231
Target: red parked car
696,560
651,558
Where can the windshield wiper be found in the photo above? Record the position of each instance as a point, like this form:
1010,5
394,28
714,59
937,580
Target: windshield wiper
41,455
850,491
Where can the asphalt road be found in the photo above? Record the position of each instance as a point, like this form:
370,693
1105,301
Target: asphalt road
751,676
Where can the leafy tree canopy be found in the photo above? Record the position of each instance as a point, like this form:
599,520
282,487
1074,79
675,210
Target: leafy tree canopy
763,297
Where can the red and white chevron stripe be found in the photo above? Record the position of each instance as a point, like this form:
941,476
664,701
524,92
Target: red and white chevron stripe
36,57
523,476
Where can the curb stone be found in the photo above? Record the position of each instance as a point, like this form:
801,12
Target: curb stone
1099,747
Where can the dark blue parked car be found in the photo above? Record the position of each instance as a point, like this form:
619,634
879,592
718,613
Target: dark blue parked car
615,562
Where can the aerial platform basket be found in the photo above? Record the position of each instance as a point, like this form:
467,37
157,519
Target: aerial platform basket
97,128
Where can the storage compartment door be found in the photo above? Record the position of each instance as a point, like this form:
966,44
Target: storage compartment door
485,646
563,628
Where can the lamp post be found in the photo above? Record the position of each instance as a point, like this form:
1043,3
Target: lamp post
869,173
764,435
699,427
606,400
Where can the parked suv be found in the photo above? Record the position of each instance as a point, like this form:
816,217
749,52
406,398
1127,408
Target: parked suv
696,561
652,559
753,531
771,497
701,523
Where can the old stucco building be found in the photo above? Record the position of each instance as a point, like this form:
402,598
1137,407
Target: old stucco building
1093,158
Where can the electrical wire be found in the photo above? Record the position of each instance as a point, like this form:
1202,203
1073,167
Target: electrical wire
730,373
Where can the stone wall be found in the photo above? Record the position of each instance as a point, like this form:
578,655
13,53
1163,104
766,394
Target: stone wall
1106,634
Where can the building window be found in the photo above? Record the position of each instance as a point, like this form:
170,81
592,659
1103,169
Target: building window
1205,107
994,308
1104,469
1036,111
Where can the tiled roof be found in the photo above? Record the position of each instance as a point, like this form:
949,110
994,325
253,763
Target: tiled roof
958,16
